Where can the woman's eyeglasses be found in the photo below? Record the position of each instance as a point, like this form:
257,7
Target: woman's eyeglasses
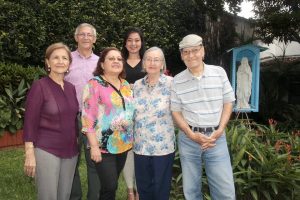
114,59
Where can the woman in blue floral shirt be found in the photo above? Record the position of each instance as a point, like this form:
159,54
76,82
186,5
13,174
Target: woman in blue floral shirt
154,139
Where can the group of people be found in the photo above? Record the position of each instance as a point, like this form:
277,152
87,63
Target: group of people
122,109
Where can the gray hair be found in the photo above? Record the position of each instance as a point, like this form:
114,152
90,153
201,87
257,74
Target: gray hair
85,25
162,56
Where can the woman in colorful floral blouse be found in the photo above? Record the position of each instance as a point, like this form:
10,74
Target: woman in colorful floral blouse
154,139
107,119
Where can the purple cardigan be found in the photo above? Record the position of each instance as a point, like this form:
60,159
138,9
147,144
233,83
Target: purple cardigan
50,117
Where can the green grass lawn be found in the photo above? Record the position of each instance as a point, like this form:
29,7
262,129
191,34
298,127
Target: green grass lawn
14,185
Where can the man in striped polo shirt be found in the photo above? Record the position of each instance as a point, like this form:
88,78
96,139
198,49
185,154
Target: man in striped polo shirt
201,104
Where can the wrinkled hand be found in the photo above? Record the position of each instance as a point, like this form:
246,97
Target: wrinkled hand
30,163
205,141
96,154
216,134
213,137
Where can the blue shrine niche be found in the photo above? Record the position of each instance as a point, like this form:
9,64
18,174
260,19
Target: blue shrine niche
245,72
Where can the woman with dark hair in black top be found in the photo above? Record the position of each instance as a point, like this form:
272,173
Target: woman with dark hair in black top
133,50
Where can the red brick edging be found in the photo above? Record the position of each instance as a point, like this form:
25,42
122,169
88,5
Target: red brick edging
11,139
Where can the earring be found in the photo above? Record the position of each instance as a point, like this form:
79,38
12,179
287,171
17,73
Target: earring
48,69
67,71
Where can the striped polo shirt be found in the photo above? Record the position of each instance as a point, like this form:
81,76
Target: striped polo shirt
201,100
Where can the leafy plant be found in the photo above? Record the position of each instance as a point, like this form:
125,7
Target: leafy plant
177,189
15,80
13,107
265,161
13,73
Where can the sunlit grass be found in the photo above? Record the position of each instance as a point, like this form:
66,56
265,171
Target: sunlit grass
14,185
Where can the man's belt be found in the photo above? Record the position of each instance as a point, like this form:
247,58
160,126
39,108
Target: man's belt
203,129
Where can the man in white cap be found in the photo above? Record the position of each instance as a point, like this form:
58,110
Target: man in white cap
201,104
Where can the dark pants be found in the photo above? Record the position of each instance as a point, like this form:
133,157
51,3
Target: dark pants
153,176
92,177
109,170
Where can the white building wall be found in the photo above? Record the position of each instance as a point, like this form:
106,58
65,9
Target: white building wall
277,48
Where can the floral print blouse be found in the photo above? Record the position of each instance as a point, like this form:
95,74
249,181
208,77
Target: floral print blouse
153,123
108,113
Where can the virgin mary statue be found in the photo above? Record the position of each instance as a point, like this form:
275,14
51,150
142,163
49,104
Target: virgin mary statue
244,81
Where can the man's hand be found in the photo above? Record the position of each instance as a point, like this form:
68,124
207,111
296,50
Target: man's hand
217,133
202,139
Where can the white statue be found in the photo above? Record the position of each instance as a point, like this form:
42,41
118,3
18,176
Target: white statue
244,81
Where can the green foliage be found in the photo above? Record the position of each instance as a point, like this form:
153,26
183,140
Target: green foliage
14,83
28,27
14,73
278,18
177,189
15,185
21,33
12,107
265,161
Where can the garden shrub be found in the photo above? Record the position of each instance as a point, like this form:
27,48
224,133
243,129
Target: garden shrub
265,162
13,73
28,27
15,81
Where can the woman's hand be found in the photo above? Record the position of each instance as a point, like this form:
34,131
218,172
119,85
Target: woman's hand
30,162
95,154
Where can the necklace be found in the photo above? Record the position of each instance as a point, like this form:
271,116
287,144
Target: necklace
117,90
150,87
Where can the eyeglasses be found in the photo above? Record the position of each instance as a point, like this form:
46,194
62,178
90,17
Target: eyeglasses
114,59
83,35
193,51
154,60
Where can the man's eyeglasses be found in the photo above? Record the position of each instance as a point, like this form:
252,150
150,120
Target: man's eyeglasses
155,60
83,35
114,59
193,51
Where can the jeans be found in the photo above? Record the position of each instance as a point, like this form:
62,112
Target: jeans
217,167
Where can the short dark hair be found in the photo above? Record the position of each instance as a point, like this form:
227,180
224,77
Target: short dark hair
130,30
99,70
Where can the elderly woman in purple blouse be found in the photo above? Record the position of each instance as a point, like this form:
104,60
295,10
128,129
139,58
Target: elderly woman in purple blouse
50,128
